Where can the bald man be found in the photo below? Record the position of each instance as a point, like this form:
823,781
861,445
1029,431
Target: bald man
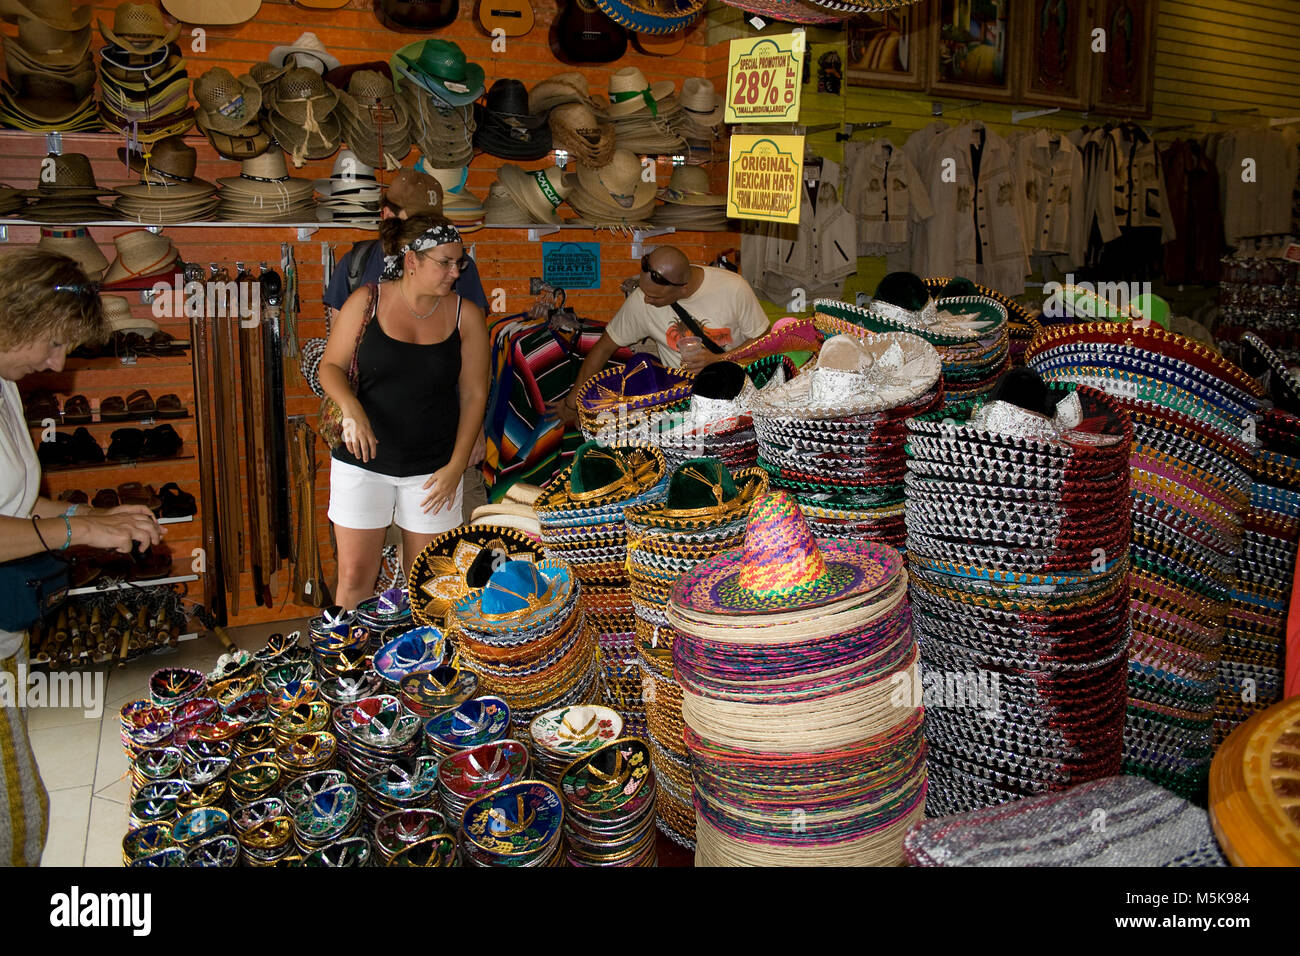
720,302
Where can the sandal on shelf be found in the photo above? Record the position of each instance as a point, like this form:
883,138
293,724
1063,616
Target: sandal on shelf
140,405
176,503
163,343
161,442
153,563
83,448
105,498
76,411
134,493
57,453
74,496
40,406
126,445
113,409
169,406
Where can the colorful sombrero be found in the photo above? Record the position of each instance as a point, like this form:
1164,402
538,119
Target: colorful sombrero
642,16
459,561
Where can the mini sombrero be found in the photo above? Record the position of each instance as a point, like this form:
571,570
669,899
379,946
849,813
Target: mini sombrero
460,561
518,596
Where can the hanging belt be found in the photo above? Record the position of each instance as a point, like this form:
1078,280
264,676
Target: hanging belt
227,424
214,589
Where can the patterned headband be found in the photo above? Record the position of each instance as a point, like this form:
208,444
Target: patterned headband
438,235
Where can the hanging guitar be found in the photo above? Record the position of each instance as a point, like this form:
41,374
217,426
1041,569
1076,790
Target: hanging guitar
513,17
583,34
416,16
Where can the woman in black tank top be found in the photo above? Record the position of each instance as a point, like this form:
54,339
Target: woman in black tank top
414,403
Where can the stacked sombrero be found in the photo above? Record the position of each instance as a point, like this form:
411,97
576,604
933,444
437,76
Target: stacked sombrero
68,193
1191,412
788,653
561,736
526,637
227,113
717,422
581,514
375,122
168,191
265,192
652,19
51,72
833,436
1022,322
438,87
609,803
622,405
1017,534
814,11
460,561
970,331
704,513
144,89
521,824
520,197
613,195
1254,646
505,125
352,194
643,114
688,203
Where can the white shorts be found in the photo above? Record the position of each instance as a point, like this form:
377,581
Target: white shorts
365,500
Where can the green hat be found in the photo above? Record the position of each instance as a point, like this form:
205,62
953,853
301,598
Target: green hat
440,67
1151,306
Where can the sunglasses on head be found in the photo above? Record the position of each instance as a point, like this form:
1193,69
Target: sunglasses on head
655,277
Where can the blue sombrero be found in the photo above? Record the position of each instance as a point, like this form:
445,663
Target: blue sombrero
645,16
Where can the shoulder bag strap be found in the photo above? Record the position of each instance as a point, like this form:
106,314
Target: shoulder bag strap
372,307
694,326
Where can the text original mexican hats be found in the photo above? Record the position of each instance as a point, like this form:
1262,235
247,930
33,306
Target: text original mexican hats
139,28
585,136
307,51
440,68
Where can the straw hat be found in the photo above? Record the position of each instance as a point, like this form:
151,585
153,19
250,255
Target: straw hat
212,12
630,93
226,103
616,190
374,119
72,176
76,243
307,51
243,144
506,127
576,128
140,253
539,193
500,208
458,204
300,115
264,191
117,310
57,14
46,46
440,68
703,105
139,28
568,87
689,186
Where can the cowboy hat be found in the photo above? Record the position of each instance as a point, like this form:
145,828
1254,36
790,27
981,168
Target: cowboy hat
212,12
576,128
139,28
242,144
538,193
630,92
689,186
71,176
440,68
43,45
306,51
617,187
57,14
703,106
568,87
226,103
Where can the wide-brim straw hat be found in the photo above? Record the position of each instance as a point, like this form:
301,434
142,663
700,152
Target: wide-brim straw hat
140,253
539,193
77,244
117,310
264,175
630,92
303,144
689,186
586,136
701,103
139,28
307,51
618,185
445,135
500,208
40,43
245,143
56,14
48,100
73,177
226,103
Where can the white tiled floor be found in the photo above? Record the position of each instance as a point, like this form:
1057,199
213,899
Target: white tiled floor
81,758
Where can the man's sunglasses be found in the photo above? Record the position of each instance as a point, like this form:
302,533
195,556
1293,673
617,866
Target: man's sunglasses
655,277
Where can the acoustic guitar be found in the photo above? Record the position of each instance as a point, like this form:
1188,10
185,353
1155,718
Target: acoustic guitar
514,17
583,34
416,16
668,44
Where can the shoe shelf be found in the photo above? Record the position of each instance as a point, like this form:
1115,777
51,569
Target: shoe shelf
123,585
120,463
120,423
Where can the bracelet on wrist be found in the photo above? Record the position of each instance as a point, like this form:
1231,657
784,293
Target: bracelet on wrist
39,537
67,524
71,511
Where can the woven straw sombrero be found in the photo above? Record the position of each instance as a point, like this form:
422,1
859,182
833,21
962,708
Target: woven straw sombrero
645,16
459,561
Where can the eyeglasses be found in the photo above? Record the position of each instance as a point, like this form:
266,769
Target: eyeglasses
655,277
461,264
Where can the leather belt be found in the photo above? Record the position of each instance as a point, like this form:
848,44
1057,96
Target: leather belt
308,577
214,589
223,371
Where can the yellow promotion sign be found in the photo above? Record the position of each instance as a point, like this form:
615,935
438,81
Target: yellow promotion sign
763,181
764,75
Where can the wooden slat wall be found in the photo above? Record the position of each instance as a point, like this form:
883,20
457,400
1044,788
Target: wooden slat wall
506,258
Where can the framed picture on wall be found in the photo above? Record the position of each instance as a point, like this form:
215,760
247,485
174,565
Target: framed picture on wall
971,51
1124,75
1055,52
888,49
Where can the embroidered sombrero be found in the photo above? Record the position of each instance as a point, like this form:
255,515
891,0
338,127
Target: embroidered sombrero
518,596
459,561
646,16
782,567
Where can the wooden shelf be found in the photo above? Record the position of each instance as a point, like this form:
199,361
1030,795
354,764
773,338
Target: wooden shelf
119,463
150,583
123,423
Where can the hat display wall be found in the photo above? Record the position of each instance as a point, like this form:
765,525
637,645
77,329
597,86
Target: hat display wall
352,193
69,194
643,113
1006,512
581,515
1254,644
300,115
1190,471
613,195
834,435
812,724
50,68
505,125
1146,826
688,202
375,123
76,243
578,130
168,191
264,192
704,512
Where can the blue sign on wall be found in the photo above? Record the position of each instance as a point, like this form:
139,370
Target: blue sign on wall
571,265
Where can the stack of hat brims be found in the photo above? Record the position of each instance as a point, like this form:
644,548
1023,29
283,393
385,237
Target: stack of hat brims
378,731
1022,322
168,191
704,513
461,207
471,723
787,653
521,824
506,127
834,435
581,515
469,775
66,192
644,114
689,205
1191,412
51,72
1254,646
520,197
587,136
352,194
438,87
227,114
700,120
144,89
299,112
1018,552
609,803
407,784
460,561
566,734
623,406
264,192
526,637
76,243
375,123
614,195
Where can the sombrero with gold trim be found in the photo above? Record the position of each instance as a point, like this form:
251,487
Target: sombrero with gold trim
460,561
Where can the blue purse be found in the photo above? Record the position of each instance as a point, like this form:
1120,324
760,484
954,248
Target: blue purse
30,589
